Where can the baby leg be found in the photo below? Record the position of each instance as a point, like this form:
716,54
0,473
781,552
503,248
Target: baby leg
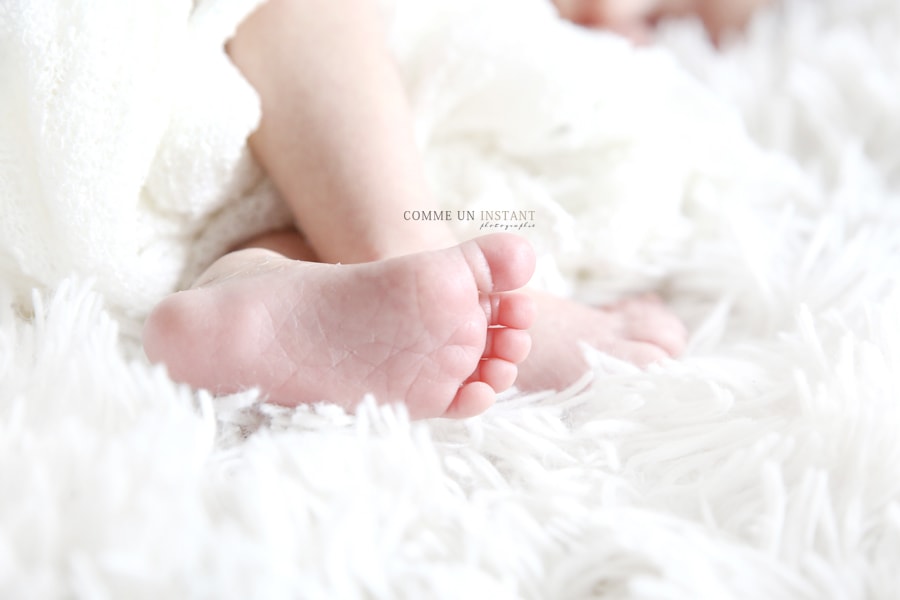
336,135
336,138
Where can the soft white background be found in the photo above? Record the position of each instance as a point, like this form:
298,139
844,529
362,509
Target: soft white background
755,187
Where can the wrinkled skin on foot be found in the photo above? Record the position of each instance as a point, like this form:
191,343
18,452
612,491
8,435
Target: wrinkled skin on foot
439,331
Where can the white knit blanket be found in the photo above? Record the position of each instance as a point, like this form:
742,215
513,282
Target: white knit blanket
756,188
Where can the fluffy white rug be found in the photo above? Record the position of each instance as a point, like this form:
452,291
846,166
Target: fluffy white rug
756,187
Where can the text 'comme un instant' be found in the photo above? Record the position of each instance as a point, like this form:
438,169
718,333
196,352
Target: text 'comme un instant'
490,219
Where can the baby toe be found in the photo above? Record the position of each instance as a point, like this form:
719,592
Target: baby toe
472,399
648,320
498,373
499,262
512,309
664,331
512,345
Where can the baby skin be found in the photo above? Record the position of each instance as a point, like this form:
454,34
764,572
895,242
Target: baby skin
640,330
636,19
440,331
410,315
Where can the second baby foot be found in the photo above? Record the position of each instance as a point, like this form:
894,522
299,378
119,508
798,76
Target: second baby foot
638,330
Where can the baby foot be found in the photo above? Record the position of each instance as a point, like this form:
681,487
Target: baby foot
637,19
434,330
639,330
630,19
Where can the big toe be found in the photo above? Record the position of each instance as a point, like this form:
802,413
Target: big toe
500,262
655,324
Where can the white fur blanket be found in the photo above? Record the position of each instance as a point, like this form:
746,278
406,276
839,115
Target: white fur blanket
755,187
